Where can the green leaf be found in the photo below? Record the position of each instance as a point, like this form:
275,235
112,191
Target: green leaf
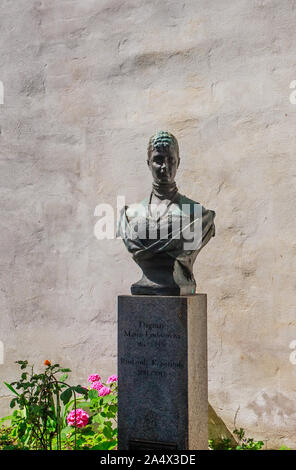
107,399
98,419
105,445
80,441
107,432
63,377
87,431
11,389
6,418
80,389
12,403
92,394
83,404
23,364
66,430
66,395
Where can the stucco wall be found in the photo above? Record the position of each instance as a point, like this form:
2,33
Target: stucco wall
86,84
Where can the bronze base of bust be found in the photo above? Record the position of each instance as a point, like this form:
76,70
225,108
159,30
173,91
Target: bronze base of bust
139,289
162,276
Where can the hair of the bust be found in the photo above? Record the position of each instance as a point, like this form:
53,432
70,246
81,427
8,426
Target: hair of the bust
162,139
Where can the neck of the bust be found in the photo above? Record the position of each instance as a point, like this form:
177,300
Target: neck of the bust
164,190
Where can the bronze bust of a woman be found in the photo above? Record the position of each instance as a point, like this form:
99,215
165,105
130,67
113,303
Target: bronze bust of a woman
167,230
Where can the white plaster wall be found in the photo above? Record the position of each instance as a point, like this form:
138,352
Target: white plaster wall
85,85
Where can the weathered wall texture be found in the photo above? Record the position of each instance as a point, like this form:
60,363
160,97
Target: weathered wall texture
86,84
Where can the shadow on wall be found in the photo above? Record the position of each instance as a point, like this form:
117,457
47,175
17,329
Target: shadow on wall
217,428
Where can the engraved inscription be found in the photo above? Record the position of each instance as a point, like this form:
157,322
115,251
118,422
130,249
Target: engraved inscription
151,337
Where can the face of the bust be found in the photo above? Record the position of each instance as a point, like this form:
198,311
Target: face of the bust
163,164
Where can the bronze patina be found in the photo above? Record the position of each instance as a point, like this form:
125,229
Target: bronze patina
166,231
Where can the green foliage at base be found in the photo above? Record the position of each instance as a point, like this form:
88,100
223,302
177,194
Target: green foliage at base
244,443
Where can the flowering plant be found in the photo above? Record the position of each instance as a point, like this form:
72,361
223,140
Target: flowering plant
38,422
49,418
77,418
94,378
96,418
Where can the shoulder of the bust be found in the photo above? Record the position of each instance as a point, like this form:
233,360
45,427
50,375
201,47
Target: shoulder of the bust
194,204
186,200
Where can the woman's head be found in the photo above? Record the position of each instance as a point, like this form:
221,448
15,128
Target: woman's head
163,156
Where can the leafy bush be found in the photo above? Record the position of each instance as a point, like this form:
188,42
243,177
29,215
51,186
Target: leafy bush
48,417
243,442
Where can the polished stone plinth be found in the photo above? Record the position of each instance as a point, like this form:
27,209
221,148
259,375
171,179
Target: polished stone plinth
162,369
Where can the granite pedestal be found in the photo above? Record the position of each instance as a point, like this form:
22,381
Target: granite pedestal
162,372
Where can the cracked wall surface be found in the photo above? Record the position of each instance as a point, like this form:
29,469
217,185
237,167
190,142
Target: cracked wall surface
86,83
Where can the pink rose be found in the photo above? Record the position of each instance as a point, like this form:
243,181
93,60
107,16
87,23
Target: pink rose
112,378
94,378
81,418
97,385
104,391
